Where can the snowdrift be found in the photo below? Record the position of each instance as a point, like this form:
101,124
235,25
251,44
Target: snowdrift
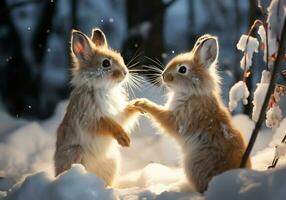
150,168
76,183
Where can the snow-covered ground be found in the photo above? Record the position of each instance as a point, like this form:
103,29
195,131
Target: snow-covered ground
150,167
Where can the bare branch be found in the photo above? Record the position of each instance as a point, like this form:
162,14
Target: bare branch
255,23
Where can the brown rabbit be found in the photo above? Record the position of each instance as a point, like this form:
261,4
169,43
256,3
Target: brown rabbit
195,115
97,110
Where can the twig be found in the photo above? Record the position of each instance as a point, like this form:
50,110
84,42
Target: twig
245,73
265,26
266,100
274,163
280,91
275,159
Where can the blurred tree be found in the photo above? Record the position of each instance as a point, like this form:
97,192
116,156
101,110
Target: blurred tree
16,79
21,81
192,22
74,14
236,70
145,27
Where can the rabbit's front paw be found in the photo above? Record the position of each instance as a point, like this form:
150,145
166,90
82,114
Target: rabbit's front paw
139,104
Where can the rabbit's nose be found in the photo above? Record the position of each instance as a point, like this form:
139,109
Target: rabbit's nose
167,77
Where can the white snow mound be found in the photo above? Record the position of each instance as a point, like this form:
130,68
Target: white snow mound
243,184
74,184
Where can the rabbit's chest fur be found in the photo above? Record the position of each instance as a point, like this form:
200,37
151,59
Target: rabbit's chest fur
85,109
200,122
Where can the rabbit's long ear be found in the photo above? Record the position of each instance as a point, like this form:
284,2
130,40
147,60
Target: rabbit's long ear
80,45
206,50
98,38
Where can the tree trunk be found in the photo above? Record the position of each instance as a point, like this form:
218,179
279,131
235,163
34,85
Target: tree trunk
151,42
192,22
17,87
149,14
21,81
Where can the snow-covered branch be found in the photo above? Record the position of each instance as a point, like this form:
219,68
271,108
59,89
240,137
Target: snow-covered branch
248,45
271,87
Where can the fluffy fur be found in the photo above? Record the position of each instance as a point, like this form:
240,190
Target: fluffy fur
195,115
97,112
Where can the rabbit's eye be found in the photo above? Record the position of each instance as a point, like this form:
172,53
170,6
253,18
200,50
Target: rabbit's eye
106,63
182,69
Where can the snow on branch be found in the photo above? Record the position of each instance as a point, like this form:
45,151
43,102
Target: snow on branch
274,114
259,94
269,43
274,117
239,91
276,17
248,45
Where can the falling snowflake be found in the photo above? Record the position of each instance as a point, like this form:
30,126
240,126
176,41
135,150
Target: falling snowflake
164,55
111,19
9,58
